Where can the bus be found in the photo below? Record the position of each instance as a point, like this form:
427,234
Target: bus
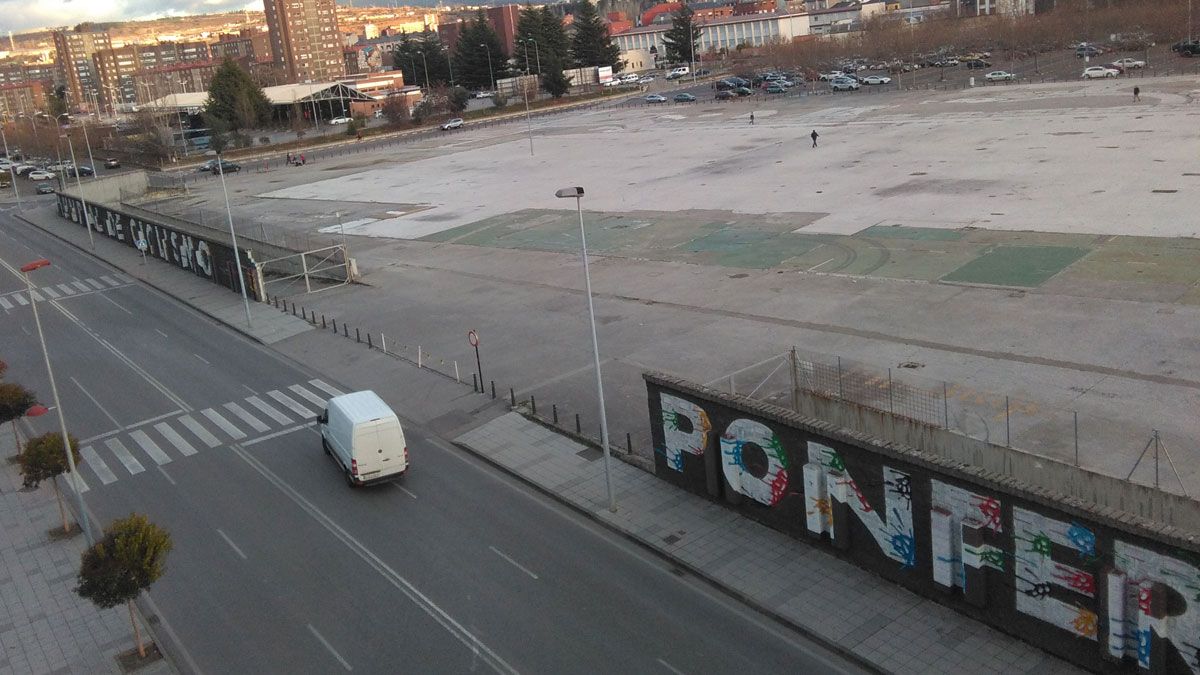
191,139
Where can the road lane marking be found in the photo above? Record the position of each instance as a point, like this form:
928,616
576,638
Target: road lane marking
246,417
202,359
215,417
231,544
95,402
92,458
160,332
81,286
200,432
67,290
328,646
99,286
176,440
267,410
131,465
50,292
117,304
5,304
147,444
512,562
405,491
277,434
325,387
36,296
290,403
252,392
124,277
166,475
670,667
83,487
306,394
20,299
109,280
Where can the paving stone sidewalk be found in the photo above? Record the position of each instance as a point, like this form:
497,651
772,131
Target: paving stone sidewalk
850,609
45,627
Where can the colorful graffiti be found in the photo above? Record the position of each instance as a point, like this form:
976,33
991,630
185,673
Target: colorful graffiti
1109,599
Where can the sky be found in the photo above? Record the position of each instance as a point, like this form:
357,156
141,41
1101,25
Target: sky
23,15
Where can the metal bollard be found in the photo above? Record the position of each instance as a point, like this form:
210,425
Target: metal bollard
533,404
474,382
512,397
322,321
578,429
628,443
335,325
357,335
554,412
293,309
345,329
369,345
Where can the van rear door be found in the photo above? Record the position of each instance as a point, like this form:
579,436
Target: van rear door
379,448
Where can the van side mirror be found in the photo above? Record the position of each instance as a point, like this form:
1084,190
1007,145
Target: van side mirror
324,418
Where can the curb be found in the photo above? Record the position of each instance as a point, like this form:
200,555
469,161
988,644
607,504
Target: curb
698,573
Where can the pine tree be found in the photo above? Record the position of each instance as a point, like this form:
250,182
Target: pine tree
235,99
553,46
479,58
591,44
680,39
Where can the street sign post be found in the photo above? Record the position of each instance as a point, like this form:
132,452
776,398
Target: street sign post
473,338
143,246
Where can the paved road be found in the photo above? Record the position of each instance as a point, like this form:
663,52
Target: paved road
279,567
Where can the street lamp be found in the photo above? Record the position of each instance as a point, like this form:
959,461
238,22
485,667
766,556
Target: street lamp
35,410
12,172
237,256
87,222
536,53
490,71
62,421
576,193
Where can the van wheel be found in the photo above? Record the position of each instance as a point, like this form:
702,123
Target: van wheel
350,482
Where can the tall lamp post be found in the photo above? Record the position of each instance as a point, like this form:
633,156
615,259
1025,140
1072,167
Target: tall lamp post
537,54
87,222
62,421
12,172
237,256
576,193
490,71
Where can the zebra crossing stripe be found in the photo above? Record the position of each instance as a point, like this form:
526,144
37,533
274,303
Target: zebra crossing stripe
81,287
267,410
246,417
118,448
5,304
20,299
312,398
99,286
215,417
200,432
290,403
110,281
36,296
124,277
150,447
67,290
83,487
92,458
50,292
176,440
325,387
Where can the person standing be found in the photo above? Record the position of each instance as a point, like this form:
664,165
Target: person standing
814,137
1137,94
751,119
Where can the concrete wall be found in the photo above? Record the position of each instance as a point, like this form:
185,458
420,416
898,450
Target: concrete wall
107,190
1107,590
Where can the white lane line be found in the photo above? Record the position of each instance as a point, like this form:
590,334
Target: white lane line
67,290
96,403
290,403
81,286
405,491
92,459
36,296
202,359
131,465
215,417
231,544
306,394
160,332
109,280
246,417
821,264
124,277
325,387
200,432
267,410
175,439
150,447
99,286
512,562
252,392
5,304
670,667
283,432
166,475
329,647
118,305
20,299
50,292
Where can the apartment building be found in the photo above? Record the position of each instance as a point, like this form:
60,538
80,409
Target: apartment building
246,46
21,98
118,70
74,50
305,41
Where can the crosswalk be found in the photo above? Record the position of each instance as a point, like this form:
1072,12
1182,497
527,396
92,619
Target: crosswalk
104,282
130,452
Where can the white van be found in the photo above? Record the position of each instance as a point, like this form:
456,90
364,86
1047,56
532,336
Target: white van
364,437
677,72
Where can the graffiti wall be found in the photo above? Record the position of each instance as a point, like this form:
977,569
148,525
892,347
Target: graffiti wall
1106,592
206,258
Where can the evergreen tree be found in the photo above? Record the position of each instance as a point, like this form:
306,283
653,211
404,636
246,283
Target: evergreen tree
554,82
235,99
554,45
436,56
404,58
479,58
680,39
591,44
529,39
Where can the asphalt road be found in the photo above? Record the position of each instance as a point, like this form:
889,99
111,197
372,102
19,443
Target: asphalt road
279,567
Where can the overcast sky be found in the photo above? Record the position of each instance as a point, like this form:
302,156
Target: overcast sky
23,15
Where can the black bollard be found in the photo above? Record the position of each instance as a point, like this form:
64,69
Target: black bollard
474,382
533,404
512,397
578,429
357,335
493,389
554,412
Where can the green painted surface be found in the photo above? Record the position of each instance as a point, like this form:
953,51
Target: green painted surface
918,233
1028,266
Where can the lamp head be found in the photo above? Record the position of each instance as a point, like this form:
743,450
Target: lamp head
36,264
569,192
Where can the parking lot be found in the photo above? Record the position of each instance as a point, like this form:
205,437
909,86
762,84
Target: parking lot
1033,243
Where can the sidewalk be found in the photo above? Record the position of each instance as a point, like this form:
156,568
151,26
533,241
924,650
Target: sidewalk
45,627
851,610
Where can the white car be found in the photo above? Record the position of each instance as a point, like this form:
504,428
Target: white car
455,123
999,76
629,78
1096,72
844,84
876,79
484,94
611,83
40,174
1128,63
646,80
677,72
340,120
826,77
656,98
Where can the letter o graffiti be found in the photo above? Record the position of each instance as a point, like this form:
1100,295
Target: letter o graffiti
739,437
204,258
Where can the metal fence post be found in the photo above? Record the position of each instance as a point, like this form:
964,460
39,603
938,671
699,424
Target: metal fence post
1076,415
1007,432
579,430
628,443
456,377
891,408
323,321
335,325
383,342
554,412
512,397
945,407
795,381
357,335
419,365
839,364
474,383
369,345
533,404
493,389
345,329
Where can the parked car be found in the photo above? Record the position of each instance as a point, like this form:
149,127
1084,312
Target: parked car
40,174
1086,50
876,79
79,171
775,88
1096,72
703,72
378,114
684,97
677,72
724,95
340,120
44,189
364,436
484,94
999,76
207,166
629,78
112,163
646,79
655,98
226,167
978,63
611,83
830,76
844,84
1128,63
743,91
455,123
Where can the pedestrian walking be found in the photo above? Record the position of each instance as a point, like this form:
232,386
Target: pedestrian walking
302,155
751,119
1137,94
814,137
289,157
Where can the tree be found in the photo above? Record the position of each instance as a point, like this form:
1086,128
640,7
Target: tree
422,58
15,401
56,102
479,58
457,99
554,82
127,560
554,46
591,44
218,132
44,458
680,39
541,39
395,109
234,98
